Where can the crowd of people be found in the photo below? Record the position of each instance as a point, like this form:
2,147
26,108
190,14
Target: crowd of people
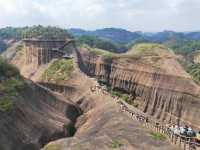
184,131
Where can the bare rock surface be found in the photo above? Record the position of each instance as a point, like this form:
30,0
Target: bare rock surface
103,124
166,91
38,117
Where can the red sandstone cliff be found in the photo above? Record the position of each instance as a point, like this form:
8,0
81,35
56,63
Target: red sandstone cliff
38,118
166,90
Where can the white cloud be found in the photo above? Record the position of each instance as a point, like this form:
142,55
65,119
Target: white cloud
148,15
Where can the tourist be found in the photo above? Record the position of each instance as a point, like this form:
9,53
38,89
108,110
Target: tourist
183,131
172,128
176,130
186,129
190,132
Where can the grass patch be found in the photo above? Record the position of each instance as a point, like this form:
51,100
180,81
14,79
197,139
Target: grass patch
6,104
11,84
100,52
116,144
158,136
9,91
150,49
7,70
194,71
115,92
60,70
121,94
52,147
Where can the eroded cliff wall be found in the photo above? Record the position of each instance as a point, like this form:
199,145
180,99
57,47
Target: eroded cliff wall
37,118
164,95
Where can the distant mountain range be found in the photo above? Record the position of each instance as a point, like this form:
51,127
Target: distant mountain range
124,36
114,34
111,39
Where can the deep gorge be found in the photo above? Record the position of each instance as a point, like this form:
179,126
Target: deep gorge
38,118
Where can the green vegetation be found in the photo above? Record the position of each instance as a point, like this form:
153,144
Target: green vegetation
158,136
97,51
10,32
119,93
148,49
6,104
116,144
33,32
137,41
100,43
143,46
7,70
11,84
194,71
52,147
184,46
44,32
60,70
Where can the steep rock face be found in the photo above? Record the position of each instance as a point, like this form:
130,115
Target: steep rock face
17,56
37,118
103,124
166,91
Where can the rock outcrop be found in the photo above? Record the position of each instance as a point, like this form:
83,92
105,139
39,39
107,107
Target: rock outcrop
39,52
34,56
167,92
103,126
42,116
38,117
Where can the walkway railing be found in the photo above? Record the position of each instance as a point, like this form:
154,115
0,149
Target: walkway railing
186,143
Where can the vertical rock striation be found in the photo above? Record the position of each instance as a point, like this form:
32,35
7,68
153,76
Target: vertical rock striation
166,94
37,118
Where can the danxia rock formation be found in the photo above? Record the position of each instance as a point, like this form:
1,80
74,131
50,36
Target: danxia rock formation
150,73
167,92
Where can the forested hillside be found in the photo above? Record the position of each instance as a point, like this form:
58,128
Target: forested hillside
183,46
16,34
34,31
180,42
115,35
10,84
96,42
111,39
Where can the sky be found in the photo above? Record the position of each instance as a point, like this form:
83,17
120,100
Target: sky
133,15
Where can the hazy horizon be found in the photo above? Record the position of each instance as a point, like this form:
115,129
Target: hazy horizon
132,15
101,29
